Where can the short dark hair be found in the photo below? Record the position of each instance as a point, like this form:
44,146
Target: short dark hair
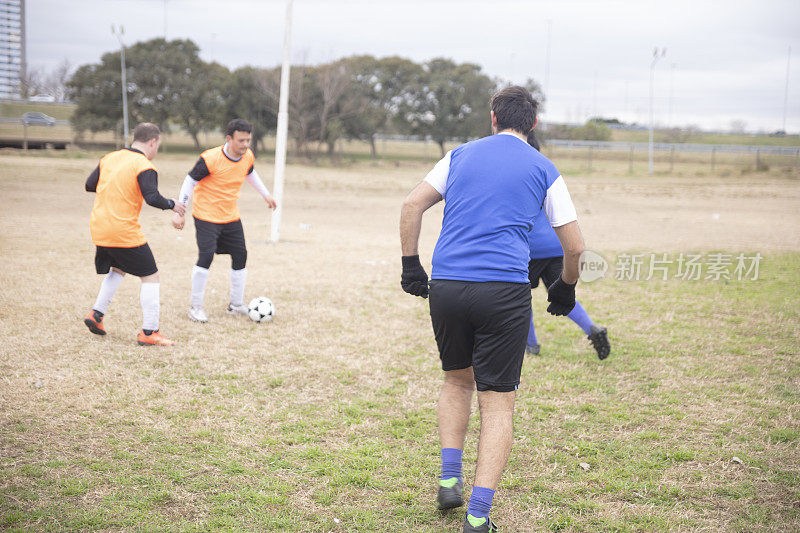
146,132
515,109
238,124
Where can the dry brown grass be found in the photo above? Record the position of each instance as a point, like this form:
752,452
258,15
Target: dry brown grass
264,426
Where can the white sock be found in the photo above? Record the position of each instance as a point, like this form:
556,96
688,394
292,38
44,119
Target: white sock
148,297
107,289
238,277
199,278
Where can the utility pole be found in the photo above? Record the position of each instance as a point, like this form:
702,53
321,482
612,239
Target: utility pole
119,33
656,57
547,59
786,92
671,87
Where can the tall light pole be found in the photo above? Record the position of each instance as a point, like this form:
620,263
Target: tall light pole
283,125
119,33
656,57
786,92
671,87
547,59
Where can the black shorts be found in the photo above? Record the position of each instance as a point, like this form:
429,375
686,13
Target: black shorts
548,269
483,325
137,261
227,238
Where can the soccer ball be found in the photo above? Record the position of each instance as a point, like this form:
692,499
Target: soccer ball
261,309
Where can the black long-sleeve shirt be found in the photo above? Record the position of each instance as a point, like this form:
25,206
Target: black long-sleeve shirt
148,185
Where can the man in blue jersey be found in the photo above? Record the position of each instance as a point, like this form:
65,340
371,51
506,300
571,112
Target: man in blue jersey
494,188
547,262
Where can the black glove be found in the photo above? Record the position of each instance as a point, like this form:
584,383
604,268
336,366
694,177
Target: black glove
561,296
414,279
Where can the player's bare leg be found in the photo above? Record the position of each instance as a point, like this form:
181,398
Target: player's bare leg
497,431
494,447
455,405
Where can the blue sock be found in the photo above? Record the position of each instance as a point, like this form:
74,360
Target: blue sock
480,502
580,317
532,335
451,463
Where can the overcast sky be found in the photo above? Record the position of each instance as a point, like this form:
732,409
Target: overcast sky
726,60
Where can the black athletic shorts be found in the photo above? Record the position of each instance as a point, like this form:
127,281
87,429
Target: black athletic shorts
483,325
227,238
137,261
548,269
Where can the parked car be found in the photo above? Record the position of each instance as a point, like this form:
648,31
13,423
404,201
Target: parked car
38,119
42,98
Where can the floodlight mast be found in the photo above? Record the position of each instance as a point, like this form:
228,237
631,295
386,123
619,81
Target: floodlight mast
786,91
283,127
119,33
656,57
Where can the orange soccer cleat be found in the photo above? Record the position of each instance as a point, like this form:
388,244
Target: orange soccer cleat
154,339
94,325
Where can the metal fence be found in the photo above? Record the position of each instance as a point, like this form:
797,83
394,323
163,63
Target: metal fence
717,157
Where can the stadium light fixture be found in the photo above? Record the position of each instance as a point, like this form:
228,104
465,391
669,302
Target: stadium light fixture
671,91
119,32
283,126
656,57
786,90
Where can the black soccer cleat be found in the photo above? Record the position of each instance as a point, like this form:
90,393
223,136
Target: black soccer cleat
473,524
599,339
533,349
450,494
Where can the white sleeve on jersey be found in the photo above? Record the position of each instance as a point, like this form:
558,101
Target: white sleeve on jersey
254,180
186,190
558,204
437,177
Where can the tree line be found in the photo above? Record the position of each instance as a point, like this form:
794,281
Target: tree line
357,97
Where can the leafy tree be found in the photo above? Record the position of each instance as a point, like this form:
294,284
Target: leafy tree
247,98
452,102
159,75
593,130
202,106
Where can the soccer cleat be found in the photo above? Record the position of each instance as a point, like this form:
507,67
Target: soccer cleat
154,339
94,323
473,524
533,349
450,494
237,309
197,314
599,339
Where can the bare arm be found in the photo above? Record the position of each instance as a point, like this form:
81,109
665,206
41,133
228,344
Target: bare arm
416,203
572,242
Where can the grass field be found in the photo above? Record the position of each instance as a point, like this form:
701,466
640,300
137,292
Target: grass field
324,419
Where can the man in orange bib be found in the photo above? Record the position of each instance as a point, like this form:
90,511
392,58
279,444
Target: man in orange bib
216,181
122,180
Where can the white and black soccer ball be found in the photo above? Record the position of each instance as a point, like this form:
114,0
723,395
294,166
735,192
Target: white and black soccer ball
261,309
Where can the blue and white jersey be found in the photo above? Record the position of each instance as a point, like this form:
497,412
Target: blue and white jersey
494,188
543,241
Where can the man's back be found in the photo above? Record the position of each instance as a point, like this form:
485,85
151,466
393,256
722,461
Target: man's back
115,215
495,188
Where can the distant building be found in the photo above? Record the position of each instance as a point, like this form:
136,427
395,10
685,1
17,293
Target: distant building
12,47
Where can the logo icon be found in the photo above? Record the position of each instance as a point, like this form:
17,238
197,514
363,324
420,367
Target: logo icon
592,266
